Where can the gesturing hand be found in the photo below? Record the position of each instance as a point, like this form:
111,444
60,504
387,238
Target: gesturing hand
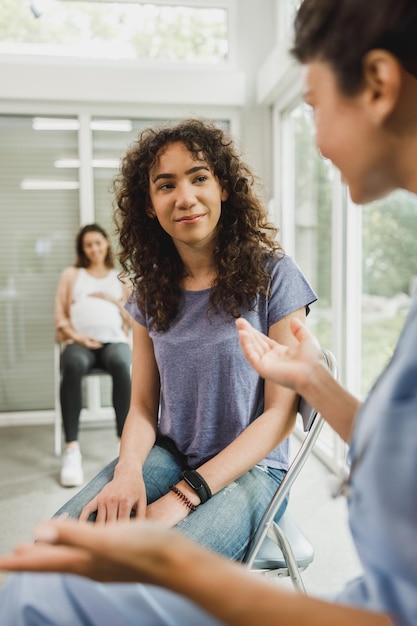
123,552
287,366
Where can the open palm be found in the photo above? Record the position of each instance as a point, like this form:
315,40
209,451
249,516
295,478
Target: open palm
284,365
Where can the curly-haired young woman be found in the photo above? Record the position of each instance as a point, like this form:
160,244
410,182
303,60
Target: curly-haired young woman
197,245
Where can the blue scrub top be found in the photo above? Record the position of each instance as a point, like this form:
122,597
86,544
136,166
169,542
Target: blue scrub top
383,488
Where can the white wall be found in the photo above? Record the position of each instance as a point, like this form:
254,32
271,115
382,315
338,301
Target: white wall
95,81
256,38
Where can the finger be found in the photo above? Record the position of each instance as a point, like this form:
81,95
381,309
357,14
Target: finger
141,506
299,330
40,556
252,334
255,344
67,533
303,334
88,540
252,350
242,324
89,508
105,514
126,511
109,511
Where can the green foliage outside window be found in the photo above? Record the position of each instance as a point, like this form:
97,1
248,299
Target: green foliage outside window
389,245
116,30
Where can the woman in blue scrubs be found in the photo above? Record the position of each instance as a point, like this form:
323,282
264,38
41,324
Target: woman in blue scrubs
360,77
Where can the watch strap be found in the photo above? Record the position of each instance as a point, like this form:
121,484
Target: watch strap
198,484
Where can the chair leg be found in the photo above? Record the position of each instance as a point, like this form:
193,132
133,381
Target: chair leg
57,434
57,402
286,550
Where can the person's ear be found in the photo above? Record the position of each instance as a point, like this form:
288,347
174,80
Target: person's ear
383,74
224,194
150,211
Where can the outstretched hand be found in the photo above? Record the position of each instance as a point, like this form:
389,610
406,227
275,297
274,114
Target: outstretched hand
119,552
290,366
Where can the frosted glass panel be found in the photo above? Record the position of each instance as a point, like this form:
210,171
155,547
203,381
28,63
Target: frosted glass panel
38,223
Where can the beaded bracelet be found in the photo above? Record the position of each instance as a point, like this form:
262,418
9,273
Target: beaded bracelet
183,497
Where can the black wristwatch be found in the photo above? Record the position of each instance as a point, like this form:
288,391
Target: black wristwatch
197,482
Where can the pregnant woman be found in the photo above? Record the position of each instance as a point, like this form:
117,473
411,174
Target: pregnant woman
92,324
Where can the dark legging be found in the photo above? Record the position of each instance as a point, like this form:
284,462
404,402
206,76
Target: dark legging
76,362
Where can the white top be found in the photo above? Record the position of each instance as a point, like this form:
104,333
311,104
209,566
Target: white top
94,316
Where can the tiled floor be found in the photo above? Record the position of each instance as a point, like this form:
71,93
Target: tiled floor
30,493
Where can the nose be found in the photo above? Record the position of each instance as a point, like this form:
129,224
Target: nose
185,197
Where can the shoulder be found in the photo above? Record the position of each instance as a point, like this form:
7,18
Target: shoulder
136,313
68,276
70,272
283,268
289,289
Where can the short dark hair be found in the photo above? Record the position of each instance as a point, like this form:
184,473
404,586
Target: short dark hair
341,32
82,260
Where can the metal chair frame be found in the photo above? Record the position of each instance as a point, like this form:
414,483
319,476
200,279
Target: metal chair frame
281,549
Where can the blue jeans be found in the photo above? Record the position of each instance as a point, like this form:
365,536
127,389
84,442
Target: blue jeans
76,362
225,523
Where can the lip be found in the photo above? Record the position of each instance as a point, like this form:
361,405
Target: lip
190,219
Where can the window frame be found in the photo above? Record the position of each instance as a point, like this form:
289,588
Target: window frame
346,273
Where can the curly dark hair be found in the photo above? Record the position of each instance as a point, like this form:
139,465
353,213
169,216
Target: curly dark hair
82,260
342,32
244,238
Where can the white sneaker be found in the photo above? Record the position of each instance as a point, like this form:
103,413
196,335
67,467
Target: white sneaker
71,469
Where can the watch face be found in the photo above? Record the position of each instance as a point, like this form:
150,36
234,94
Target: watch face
191,479
196,482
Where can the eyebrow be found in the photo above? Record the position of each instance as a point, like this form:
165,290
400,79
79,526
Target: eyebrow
192,170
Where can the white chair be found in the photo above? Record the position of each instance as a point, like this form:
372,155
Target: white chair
93,400
281,549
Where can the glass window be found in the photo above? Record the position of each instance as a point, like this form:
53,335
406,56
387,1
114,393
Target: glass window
312,206
39,216
286,13
307,193
388,278
114,30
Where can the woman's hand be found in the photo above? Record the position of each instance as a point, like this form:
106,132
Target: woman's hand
288,366
119,303
302,368
104,296
118,499
88,342
117,552
84,340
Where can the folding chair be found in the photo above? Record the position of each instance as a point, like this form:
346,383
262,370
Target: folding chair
281,549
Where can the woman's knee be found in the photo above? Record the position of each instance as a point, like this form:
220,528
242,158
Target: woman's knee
118,359
75,363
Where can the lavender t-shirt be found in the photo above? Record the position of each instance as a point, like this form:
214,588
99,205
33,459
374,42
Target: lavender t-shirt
209,392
